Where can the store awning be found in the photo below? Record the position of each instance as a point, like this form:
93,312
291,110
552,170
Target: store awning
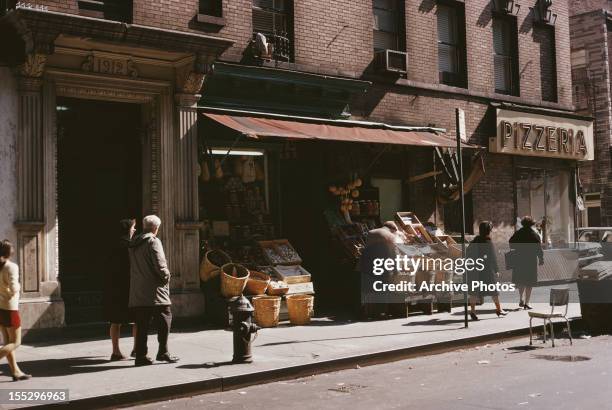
332,130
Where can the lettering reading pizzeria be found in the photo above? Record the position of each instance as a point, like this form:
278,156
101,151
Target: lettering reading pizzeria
525,133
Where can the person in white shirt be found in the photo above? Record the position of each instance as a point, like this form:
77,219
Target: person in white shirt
10,322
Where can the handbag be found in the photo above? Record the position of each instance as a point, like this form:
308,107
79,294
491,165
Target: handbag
510,259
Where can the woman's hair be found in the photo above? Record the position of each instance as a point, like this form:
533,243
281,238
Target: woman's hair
527,221
6,250
485,228
125,225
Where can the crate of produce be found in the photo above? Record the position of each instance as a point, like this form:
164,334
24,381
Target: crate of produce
280,252
291,274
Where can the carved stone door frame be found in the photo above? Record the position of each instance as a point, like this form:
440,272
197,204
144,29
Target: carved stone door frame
156,98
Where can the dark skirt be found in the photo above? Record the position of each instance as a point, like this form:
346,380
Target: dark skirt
525,276
10,318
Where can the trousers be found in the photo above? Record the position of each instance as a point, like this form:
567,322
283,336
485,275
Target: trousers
162,318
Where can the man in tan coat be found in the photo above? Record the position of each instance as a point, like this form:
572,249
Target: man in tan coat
150,291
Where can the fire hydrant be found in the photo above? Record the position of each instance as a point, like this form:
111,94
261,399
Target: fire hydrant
243,328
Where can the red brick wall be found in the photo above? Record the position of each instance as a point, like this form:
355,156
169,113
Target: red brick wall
336,38
589,32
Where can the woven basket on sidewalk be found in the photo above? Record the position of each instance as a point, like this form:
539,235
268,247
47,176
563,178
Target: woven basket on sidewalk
300,308
233,279
267,309
257,284
212,262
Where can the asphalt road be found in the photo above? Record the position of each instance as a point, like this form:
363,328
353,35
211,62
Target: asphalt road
506,375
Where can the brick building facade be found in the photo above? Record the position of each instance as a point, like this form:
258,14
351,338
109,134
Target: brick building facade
502,59
590,46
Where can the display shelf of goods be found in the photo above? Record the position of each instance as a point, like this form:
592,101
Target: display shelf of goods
447,244
291,274
280,252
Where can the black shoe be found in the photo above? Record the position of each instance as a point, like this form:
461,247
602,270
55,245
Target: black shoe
527,307
22,377
521,304
501,313
474,317
117,357
143,361
166,357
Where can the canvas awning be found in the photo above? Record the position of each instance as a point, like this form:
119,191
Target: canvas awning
332,130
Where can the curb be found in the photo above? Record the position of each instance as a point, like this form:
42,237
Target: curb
220,384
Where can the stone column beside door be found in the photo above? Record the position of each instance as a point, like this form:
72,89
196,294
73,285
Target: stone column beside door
41,305
187,297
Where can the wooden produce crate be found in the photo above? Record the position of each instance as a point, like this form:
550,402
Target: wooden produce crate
448,244
280,252
409,222
291,274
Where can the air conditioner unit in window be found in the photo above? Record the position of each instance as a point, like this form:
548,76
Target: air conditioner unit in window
391,61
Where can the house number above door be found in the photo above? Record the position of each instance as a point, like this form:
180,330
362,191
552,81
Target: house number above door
111,66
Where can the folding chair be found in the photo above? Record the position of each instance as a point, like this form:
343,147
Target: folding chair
558,297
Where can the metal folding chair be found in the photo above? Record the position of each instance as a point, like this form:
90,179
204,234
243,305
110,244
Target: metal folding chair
558,297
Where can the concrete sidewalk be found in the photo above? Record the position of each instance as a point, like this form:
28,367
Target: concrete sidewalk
283,352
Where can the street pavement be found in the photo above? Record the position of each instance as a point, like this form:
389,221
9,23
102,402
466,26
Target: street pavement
82,366
506,375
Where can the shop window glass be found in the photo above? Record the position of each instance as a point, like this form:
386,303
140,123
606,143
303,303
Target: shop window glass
390,194
545,195
234,201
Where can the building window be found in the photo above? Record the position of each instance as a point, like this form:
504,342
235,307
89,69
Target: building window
274,19
211,7
505,55
117,10
545,36
451,45
387,25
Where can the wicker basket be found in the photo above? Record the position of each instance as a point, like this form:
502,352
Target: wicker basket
257,284
233,279
267,309
210,269
300,308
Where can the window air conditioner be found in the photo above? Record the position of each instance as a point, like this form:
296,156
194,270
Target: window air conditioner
391,61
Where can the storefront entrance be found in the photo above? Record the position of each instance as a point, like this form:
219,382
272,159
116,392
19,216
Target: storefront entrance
99,183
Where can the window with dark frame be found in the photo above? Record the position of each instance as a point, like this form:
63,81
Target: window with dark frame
116,10
505,55
274,19
211,7
548,62
387,25
452,59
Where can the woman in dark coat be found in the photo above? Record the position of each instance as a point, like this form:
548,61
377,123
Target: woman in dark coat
527,247
117,291
482,247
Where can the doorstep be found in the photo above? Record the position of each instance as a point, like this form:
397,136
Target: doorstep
280,353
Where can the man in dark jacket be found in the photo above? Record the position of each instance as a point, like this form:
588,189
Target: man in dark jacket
150,291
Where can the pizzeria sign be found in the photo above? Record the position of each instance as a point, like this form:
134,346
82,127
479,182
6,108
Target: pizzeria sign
521,133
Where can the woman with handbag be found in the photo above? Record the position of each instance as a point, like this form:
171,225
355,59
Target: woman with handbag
10,322
527,250
482,248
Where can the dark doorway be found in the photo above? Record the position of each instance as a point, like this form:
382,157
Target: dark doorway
99,183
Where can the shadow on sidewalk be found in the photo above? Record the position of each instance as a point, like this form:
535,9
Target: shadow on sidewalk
356,337
68,366
210,365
